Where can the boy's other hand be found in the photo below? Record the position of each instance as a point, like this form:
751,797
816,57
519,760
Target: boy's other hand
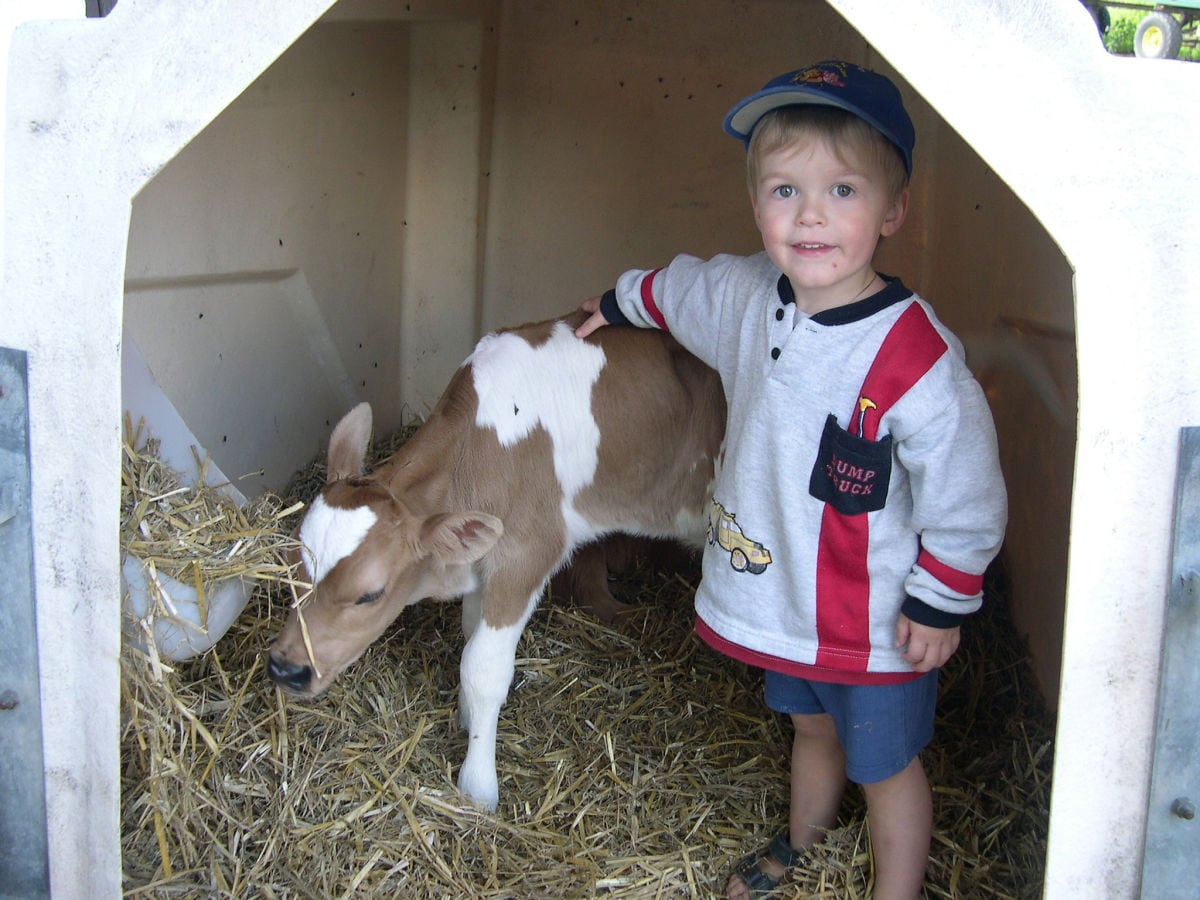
928,647
594,321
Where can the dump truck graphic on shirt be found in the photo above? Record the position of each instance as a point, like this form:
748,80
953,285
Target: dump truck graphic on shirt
745,554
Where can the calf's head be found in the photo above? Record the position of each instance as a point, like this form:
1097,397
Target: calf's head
367,556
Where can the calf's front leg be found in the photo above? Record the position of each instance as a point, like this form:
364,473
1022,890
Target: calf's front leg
485,673
472,611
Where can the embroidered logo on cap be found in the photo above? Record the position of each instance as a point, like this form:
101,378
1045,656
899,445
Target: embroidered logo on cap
834,75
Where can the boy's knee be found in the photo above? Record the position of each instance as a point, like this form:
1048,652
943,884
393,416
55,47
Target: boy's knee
910,780
814,725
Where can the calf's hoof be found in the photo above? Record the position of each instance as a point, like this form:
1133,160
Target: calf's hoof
482,790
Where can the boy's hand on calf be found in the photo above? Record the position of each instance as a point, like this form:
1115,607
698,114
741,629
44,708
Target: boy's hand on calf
594,321
928,647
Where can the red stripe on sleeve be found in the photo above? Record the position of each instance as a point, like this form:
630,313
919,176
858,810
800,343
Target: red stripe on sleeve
955,579
648,301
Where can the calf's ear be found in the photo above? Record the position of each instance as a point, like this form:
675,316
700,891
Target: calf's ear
348,444
460,537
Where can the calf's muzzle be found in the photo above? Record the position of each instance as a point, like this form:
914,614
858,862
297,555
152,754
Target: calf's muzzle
290,676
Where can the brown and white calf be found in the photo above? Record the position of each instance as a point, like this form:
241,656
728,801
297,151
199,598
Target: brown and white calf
541,443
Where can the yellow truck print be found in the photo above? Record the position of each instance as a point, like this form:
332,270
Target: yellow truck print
745,555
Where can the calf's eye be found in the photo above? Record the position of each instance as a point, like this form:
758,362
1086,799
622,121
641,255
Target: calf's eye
368,598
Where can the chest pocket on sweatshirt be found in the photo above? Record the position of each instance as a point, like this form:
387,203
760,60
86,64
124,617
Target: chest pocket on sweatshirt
851,474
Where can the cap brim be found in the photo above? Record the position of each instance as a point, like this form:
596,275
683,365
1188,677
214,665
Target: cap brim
742,118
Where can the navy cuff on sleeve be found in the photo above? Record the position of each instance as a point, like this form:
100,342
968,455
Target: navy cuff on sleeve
924,614
610,310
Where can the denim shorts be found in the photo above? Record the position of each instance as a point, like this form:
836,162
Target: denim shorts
882,728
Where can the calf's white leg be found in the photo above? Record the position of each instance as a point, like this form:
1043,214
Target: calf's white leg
472,612
485,672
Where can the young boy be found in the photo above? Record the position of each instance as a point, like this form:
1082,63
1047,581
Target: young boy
861,498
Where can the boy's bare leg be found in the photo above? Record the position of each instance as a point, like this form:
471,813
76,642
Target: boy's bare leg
818,781
900,815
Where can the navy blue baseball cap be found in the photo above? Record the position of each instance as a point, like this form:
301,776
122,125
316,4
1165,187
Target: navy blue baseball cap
866,94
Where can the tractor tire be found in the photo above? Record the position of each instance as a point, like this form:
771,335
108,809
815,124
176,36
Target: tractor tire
1158,36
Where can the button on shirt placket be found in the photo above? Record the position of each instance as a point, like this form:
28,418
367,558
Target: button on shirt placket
782,328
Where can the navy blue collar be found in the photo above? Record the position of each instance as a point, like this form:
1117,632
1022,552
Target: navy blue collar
893,291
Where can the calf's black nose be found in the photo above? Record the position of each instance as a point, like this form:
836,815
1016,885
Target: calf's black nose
288,675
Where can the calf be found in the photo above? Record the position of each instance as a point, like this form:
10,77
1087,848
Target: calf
541,443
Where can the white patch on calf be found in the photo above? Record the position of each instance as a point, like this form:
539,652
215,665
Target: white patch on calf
330,534
520,386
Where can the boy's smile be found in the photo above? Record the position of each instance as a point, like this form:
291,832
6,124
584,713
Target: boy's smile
821,218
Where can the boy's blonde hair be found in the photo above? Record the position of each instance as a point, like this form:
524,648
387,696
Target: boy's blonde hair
843,132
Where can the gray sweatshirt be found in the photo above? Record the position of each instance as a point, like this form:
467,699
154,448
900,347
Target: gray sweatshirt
861,475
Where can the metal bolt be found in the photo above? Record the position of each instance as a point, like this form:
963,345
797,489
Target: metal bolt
8,700
1184,808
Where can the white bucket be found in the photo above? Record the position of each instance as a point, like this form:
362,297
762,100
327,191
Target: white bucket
181,623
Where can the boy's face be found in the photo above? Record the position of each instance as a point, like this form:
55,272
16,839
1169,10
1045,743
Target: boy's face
821,218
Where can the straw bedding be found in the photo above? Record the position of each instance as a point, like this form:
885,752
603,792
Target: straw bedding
633,764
